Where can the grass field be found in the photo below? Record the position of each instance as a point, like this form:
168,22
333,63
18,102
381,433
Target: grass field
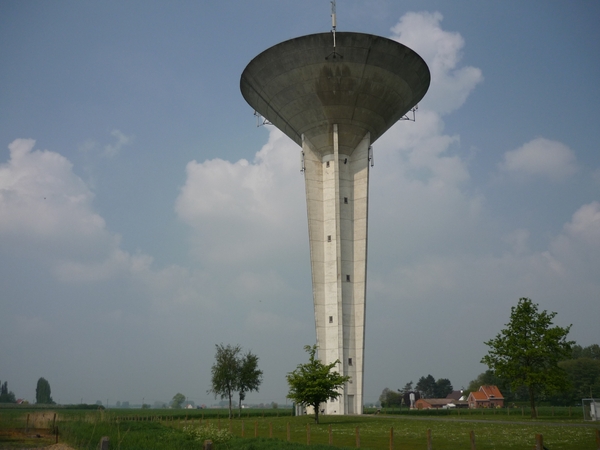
164,429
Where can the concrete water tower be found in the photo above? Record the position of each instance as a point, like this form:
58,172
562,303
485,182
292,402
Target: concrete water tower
335,94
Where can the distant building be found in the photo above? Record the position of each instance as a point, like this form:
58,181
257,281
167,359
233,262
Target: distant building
486,397
432,403
456,395
439,403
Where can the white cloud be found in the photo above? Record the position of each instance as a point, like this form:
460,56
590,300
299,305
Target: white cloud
441,50
41,197
540,157
245,211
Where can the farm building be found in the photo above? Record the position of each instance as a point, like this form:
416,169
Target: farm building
486,397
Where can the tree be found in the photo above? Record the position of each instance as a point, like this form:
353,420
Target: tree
225,371
389,398
42,392
249,376
591,352
314,383
177,401
443,387
408,387
426,386
6,396
528,350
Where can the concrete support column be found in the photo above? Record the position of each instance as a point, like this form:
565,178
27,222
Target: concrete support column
337,205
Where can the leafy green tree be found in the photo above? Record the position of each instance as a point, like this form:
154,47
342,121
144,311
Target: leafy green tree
443,387
42,392
390,399
584,375
177,401
591,352
426,386
314,383
225,373
249,377
6,396
528,350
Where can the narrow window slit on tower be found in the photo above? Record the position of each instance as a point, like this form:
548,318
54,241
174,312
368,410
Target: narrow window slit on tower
346,200
329,238
330,319
327,164
349,361
345,160
347,277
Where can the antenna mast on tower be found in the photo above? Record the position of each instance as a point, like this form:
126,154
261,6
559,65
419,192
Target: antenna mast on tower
333,54
333,22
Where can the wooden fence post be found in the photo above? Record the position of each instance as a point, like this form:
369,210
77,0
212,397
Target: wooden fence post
429,443
472,437
27,428
270,429
104,441
256,428
539,442
357,437
208,445
289,435
392,438
242,428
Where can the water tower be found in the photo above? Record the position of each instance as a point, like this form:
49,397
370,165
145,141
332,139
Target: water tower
335,94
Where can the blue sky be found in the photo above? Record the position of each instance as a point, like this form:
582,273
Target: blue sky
145,218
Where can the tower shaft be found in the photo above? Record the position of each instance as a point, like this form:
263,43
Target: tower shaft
337,186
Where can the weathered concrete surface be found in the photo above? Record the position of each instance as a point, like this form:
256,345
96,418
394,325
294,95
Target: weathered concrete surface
335,106
302,88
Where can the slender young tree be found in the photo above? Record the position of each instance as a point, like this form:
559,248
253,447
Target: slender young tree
225,373
249,377
314,383
528,350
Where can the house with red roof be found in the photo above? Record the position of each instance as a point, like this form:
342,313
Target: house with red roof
486,397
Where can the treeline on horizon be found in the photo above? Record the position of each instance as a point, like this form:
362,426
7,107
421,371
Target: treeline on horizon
582,369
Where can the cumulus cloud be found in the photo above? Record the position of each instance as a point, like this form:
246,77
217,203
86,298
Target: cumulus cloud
442,51
41,197
244,210
540,158
47,212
